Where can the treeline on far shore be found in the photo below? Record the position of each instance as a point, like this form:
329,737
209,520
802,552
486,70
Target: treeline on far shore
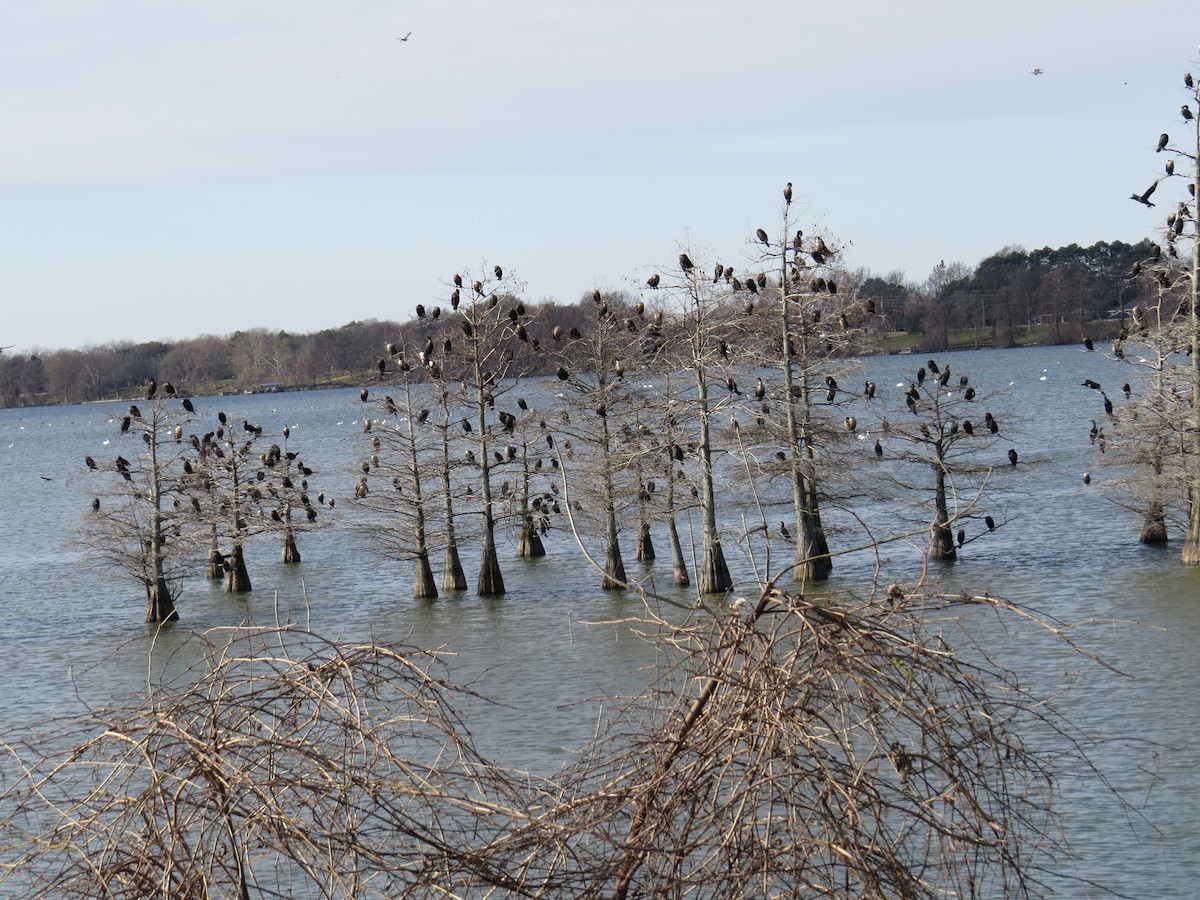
1012,298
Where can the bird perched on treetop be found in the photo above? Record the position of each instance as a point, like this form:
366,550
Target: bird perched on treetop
787,193
1162,141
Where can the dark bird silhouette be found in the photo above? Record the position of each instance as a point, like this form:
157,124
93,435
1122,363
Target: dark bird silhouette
1088,383
168,389
762,236
420,310
1088,345
933,367
992,424
879,449
851,423
405,38
1127,389
787,193
498,271
869,390
732,385
685,262
95,504
362,395
1185,112
125,422
962,536
1144,198
1187,80
1170,167
562,373
382,366
969,394
1108,405
151,388
187,405
968,427
1162,141
921,375
652,281
1087,479
783,529
990,523
1012,456
135,412
91,463
760,389
458,282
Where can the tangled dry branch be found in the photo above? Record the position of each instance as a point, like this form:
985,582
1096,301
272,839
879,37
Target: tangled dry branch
846,748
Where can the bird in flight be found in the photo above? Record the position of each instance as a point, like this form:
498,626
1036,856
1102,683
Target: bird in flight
1037,70
405,38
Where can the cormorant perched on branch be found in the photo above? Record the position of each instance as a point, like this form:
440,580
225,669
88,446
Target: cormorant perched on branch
1012,456
762,236
685,262
652,281
787,193
1162,141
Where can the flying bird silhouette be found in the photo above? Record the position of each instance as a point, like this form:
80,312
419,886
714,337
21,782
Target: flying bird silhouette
405,38
1037,70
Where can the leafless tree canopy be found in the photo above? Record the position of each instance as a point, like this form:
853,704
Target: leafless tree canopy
842,748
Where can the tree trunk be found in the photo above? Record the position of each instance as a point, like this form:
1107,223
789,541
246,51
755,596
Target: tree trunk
160,605
291,553
679,570
645,543
491,580
237,578
530,542
453,576
424,586
941,537
1154,525
614,566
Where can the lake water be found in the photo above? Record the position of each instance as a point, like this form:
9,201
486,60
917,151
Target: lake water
71,636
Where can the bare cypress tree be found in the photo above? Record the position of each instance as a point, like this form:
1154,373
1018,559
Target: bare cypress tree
494,324
947,433
141,523
1182,230
817,323
396,500
702,308
599,407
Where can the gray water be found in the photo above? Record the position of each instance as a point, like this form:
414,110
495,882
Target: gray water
71,636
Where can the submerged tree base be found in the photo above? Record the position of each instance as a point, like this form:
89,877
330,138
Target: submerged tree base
237,577
291,553
453,576
714,576
530,543
160,605
645,543
424,586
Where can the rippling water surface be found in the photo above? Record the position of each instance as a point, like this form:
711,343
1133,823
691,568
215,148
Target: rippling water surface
70,636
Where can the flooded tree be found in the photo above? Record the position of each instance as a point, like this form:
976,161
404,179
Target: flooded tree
494,325
694,342
1178,270
140,524
599,405
401,449
818,325
946,430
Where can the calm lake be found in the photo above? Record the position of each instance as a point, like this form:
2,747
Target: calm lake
1066,550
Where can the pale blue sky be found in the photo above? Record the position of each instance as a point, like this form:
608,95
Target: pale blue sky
175,169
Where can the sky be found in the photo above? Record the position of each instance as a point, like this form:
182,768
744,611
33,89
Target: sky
171,170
